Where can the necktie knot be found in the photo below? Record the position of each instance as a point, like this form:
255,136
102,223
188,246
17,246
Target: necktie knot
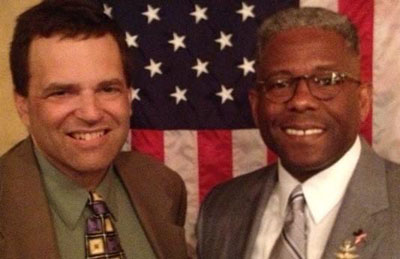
291,244
296,199
101,236
97,204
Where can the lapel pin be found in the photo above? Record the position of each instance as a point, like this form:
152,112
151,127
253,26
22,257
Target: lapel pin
348,250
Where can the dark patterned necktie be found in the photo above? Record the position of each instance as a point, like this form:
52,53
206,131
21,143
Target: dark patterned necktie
291,244
101,236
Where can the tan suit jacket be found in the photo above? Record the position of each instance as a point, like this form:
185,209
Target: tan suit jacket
231,214
26,229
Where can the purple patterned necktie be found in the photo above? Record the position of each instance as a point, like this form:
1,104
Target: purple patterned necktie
101,236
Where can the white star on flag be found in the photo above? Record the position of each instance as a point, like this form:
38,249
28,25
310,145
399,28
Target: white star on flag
199,13
246,11
151,14
225,94
107,10
247,66
179,95
224,40
201,67
135,94
131,40
154,68
177,41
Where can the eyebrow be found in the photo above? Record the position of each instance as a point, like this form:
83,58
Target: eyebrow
114,81
63,86
57,86
327,67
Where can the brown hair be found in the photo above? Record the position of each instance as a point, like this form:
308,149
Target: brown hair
67,18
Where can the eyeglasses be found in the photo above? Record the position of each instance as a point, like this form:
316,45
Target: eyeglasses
323,85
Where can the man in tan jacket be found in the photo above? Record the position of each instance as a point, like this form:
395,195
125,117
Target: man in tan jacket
72,84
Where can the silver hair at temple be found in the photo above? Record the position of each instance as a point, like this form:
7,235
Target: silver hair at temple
312,17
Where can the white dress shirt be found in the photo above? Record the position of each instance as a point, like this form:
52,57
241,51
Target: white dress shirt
323,194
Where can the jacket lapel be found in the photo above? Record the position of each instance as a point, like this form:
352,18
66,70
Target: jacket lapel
268,185
151,206
363,207
231,216
29,231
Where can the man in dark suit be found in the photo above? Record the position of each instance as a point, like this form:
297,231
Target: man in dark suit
72,83
309,104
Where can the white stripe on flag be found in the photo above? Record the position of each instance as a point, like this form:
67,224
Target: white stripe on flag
329,4
180,154
128,143
386,78
248,150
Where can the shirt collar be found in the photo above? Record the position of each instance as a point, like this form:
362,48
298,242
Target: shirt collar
68,199
331,183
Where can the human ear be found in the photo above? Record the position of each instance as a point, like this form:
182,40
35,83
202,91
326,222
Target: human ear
130,98
21,103
254,103
365,97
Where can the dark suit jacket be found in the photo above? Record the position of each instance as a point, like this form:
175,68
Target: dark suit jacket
231,214
26,229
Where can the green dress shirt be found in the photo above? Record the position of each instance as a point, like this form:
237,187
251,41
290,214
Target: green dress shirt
68,201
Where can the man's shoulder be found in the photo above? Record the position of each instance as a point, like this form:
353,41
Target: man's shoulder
388,170
393,175
16,160
392,167
16,152
238,188
137,158
140,160
248,179
146,165
371,160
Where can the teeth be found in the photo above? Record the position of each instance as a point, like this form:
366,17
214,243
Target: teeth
307,132
88,136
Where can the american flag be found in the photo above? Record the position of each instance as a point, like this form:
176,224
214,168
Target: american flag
195,63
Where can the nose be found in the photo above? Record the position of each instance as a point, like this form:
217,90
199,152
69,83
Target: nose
89,108
302,98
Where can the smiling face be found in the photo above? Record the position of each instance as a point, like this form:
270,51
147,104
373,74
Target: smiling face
78,105
310,134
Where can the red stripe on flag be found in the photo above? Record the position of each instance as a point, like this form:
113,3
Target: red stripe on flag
215,158
150,142
361,13
271,157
